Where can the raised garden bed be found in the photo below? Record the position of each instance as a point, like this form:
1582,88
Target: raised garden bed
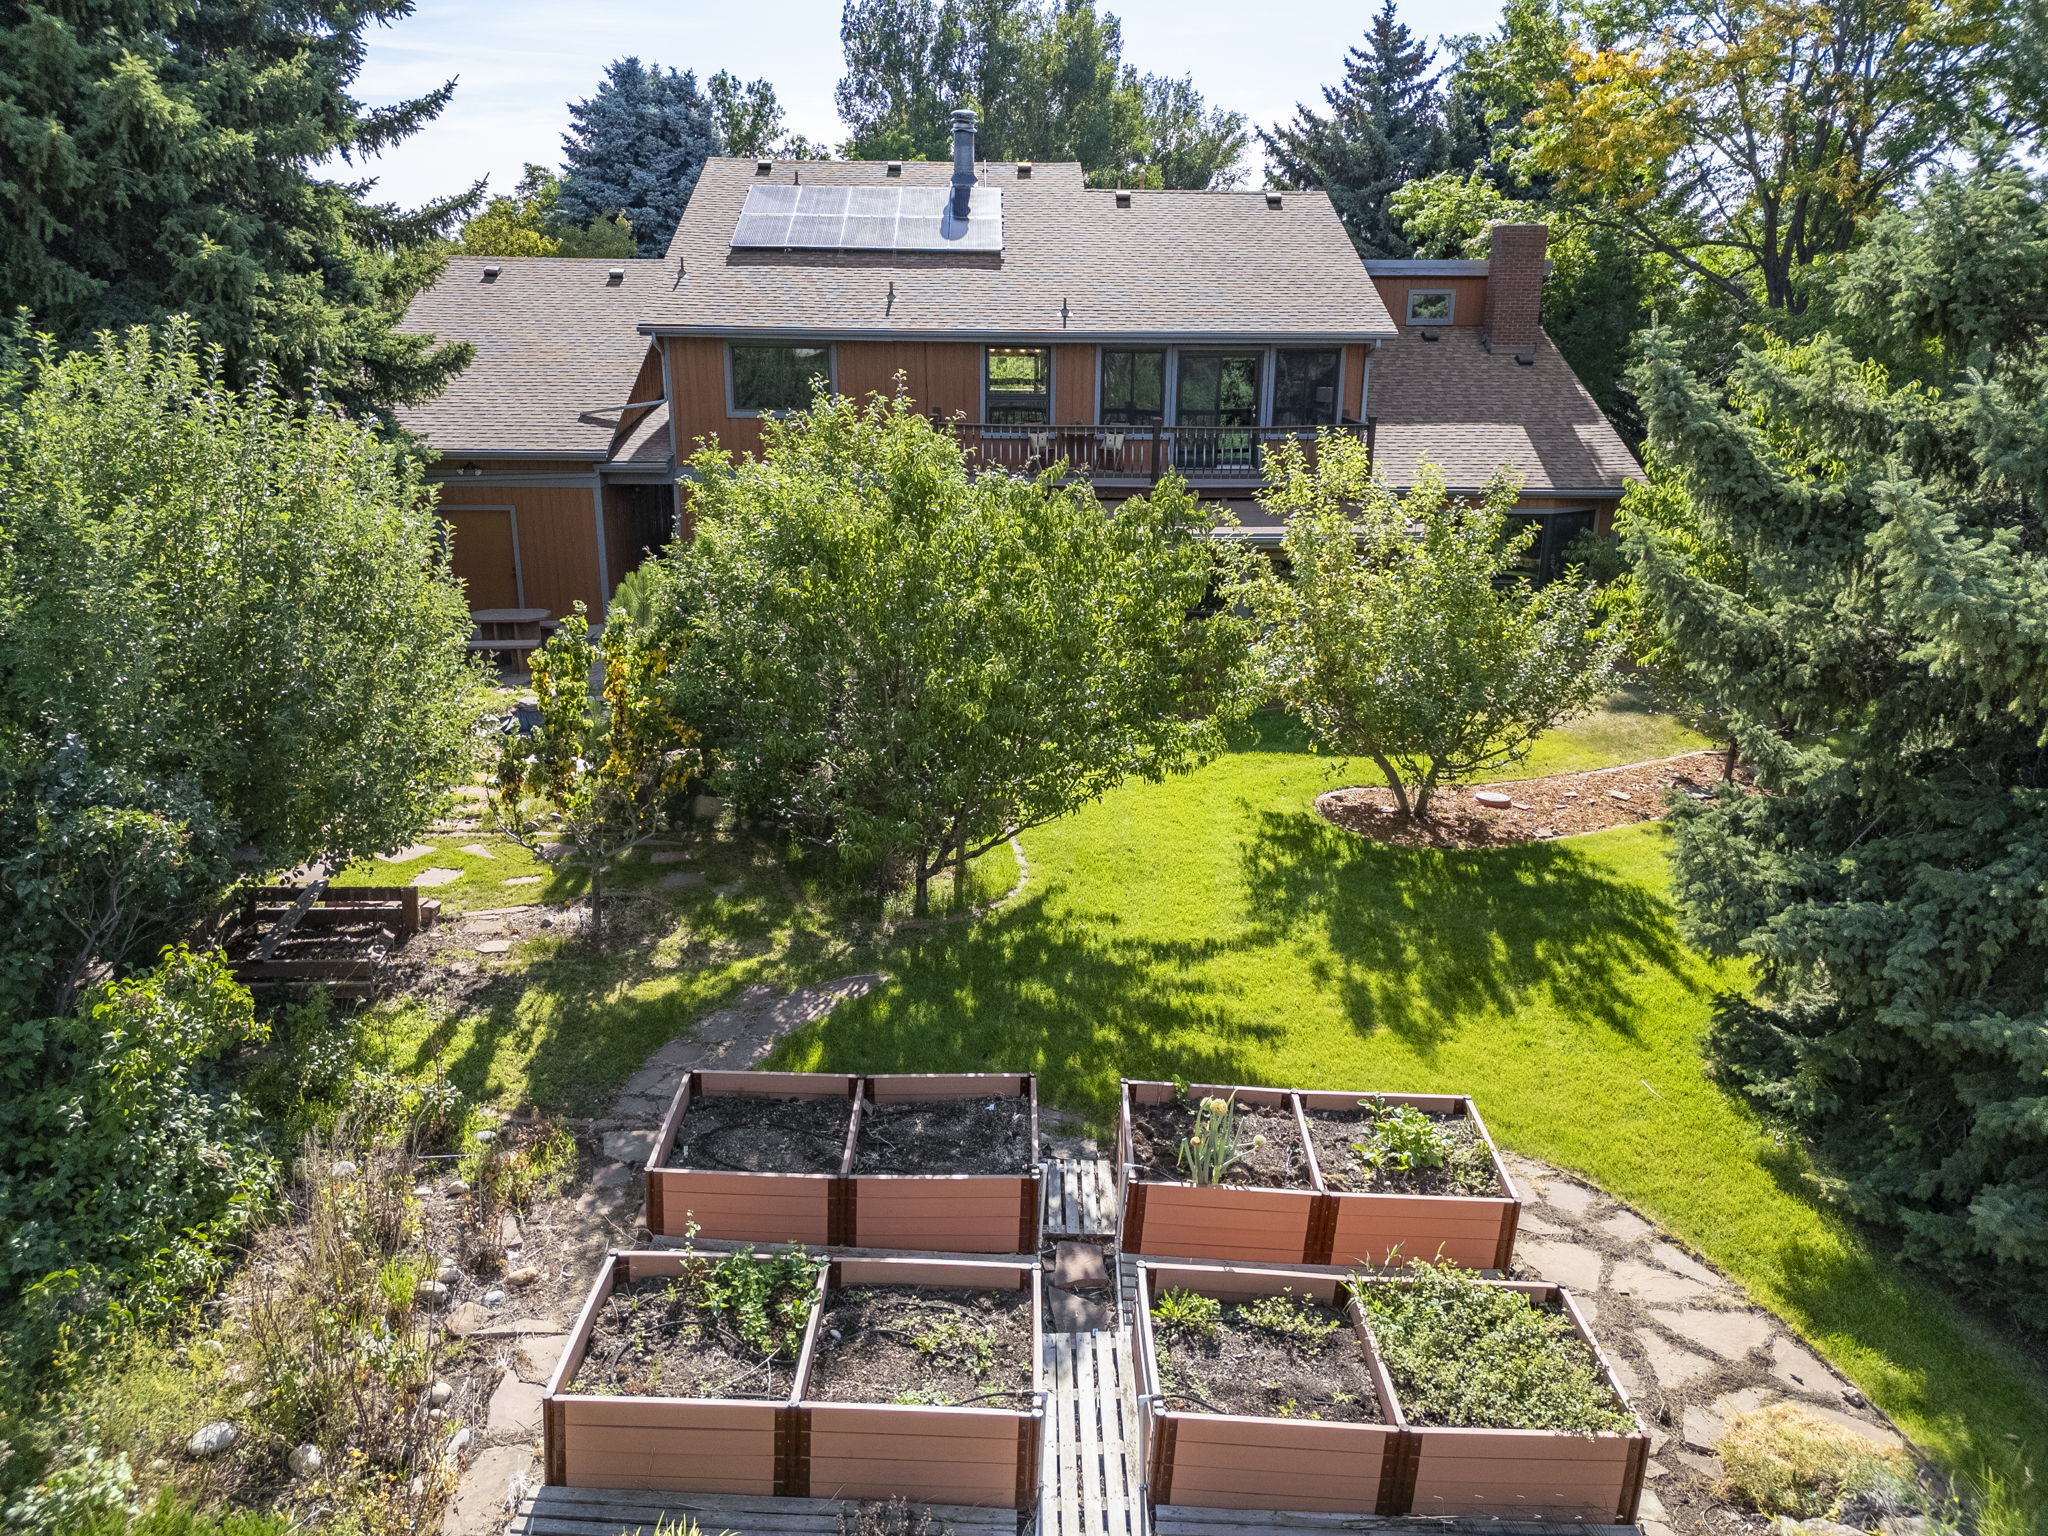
1343,1178
939,1163
879,1378
1324,1448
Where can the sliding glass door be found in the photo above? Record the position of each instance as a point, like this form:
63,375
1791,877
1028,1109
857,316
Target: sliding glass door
1219,400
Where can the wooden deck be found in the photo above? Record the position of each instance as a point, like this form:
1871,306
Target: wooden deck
1093,1479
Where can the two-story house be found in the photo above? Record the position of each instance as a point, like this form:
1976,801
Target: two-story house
1124,333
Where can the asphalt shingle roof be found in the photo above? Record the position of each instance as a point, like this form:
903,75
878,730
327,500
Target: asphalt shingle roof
556,353
1452,403
1074,266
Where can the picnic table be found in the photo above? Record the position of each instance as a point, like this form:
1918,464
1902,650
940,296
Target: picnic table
511,632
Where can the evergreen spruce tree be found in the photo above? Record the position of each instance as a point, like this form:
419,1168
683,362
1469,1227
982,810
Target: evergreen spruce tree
1885,667
1385,128
154,161
636,148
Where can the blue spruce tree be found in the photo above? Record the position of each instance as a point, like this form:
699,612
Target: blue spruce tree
636,147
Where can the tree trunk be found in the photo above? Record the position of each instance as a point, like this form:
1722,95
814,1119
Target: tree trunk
922,903
1729,759
1394,783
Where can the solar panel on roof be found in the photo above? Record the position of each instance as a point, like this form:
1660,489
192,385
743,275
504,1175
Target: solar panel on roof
786,216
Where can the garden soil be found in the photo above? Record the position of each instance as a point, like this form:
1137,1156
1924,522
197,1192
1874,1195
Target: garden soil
925,1344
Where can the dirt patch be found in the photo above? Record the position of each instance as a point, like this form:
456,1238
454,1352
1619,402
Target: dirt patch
928,1344
1538,810
656,1338
746,1133
979,1135
1356,1154
1276,1162
1279,1357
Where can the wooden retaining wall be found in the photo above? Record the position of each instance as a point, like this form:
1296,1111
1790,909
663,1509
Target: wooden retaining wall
1394,1468
952,1213
1315,1225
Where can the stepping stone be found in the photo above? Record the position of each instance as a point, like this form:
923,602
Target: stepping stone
1672,1366
1653,1284
495,947
1708,1467
476,851
1077,1314
1626,1226
1079,1267
1575,1199
525,880
490,1486
1619,794
1493,800
678,880
726,890
407,854
1731,1335
467,1319
1704,1423
1570,1265
668,856
536,1356
629,1146
519,1327
1529,1221
1799,1367
437,876
612,1176
1884,1436
515,1407
1680,1262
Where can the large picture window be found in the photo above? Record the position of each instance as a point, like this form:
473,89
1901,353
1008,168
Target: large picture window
768,379
1305,388
1133,388
1019,383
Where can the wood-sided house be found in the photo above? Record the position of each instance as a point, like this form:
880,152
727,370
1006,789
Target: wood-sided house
1126,333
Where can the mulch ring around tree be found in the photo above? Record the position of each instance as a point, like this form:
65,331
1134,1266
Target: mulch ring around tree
752,1133
936,1345
1538,810
1275,1357
1269,1151
990,1134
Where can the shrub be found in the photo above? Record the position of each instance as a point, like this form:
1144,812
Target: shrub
1468,1355
1783,1459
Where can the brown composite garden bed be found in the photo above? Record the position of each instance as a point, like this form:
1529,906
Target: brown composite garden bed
1302,1199
915,1378
1312,1454
929,1162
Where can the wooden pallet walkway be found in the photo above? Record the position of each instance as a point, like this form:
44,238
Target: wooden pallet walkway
605,1512
1080,1197
1094,1478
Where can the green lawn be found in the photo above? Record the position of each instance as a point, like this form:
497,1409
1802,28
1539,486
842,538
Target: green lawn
1214,927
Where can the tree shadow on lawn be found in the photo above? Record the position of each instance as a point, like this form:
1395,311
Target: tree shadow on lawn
1033,989
1421,940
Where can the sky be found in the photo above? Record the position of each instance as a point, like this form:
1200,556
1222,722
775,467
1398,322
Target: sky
518,63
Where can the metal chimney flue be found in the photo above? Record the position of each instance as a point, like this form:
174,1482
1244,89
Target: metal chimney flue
963,163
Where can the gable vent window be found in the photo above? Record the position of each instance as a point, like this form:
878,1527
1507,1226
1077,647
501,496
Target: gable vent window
1272,199
1123,199
1431,306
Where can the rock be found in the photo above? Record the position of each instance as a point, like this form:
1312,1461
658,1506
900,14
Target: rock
518,1326
407,854
467,1318
341,1168
460,1442
212,1439
508,1230
437,876
1570,794
432,1293
1619,794
522,1277
1545,832
1079,1266
1655,1285
1708,1467
304,1461
476,851
447,1274
680,879
484,1138
629,1146
1567,1264
613,1176
668,856
1492,799
456,1186
1731,1335
727,890
491,1485
438,1394
1814,1527
534,1357
515,1408
1799,1367
707,807
423,1192
1521,807
1906,1525
493,1297
525,880
495,947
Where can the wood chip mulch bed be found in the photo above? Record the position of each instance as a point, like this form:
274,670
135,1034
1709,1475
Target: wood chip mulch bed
1157,1131
1562,805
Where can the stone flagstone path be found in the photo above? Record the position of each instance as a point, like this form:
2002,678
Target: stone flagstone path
1688,1346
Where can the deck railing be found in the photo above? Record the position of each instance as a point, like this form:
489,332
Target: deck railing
1202,454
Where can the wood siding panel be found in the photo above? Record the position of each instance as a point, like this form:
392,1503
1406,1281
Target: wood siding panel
481,555
557,541
1354,383
697,375
952,381
1073,382
1467,308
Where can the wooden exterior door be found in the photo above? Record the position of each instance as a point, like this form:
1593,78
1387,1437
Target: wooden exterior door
484,556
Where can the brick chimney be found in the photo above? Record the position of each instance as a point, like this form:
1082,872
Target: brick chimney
1514,287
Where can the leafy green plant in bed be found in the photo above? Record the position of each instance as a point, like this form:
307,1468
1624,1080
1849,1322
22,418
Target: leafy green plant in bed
1207,1152
1467,1355
1188,1313
1403,1139
1295,1319
769,1300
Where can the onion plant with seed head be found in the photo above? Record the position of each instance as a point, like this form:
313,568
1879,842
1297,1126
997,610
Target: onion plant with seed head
1208,1151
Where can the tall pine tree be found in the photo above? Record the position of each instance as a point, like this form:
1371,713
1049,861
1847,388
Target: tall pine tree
1885,668
155,160
1385,128
636,148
